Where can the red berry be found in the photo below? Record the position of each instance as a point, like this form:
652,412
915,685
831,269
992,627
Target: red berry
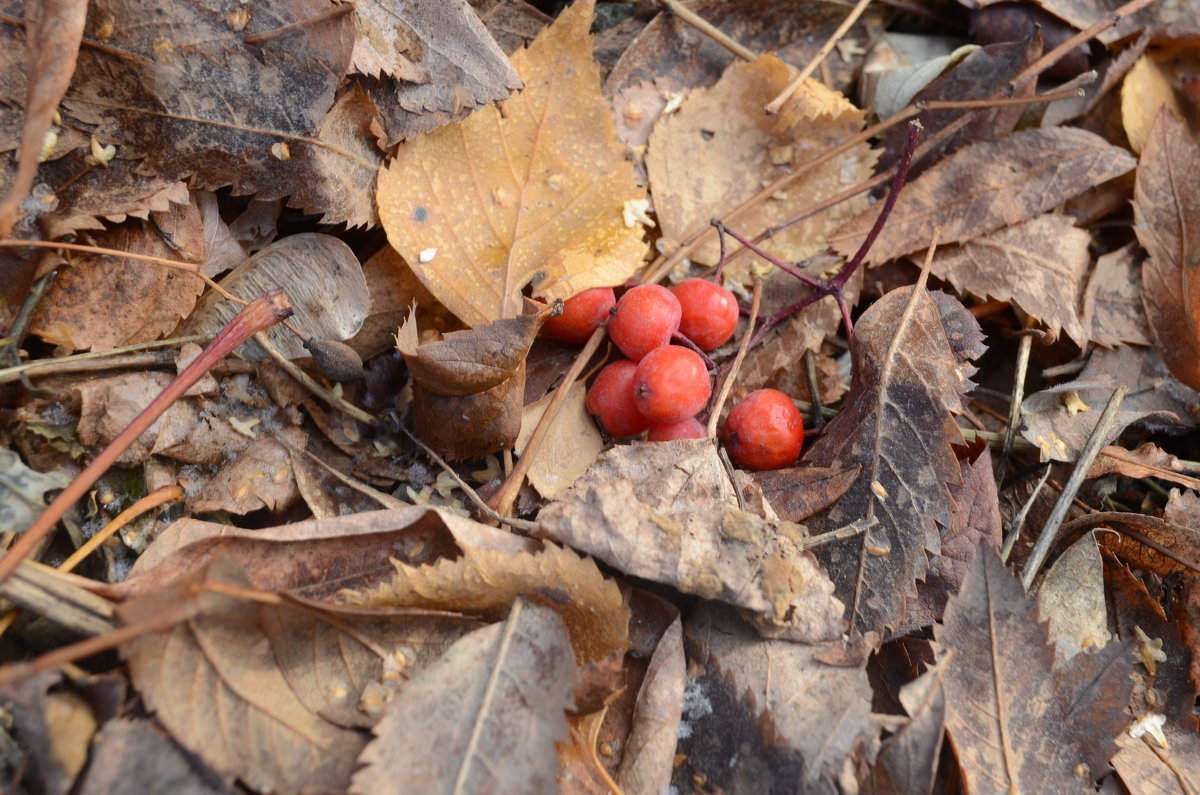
764,431
710,312
685,429
610,400
671,384
582,314
646,318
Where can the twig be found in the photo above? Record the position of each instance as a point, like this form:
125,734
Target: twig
148,503
1097,440
264,312
814,390
308,381
1014,406
708,29
87,361
774,105
502,501
727,384
1014,529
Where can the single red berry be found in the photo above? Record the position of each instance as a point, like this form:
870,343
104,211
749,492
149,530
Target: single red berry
646,318
764,431
684,429
671,384
582,314
610,400
710,312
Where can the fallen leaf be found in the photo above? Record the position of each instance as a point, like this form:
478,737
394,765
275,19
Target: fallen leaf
909,372
985,186
394,288
535,198
568,448
486,582
214,682
667,512
136,749
442,61
1071,599
1111,72
468,386
909,758
1146,768
1148,461
323,280
152,299
1146,90
23,491
774,691
1147,542
260,476
721,147
1112,303
485,717
648,755
1164,21
55,723
1005,696
1155,400
797,493
512,23
1165,202
1038,264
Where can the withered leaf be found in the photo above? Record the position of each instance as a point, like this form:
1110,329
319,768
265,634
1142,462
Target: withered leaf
136,749
898,426
1071,600
468,386
215,683
649,750
667,512
484,718
797,493
441,60
721,147
1165,21
23,490
1015,718
784,689
908,760
986,186
1166,203
1038,265
534,198
260,476
1112,304
485,582
1148,461
569,446
323,280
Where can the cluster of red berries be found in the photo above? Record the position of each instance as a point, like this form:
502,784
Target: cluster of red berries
661,387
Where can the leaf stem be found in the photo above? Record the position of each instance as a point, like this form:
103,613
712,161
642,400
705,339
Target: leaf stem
264,312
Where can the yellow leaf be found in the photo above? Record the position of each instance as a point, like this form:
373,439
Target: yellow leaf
533,196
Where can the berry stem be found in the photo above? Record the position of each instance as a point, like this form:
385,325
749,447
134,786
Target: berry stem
685,341
261,313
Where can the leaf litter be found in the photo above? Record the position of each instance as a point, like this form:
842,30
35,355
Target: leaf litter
340,599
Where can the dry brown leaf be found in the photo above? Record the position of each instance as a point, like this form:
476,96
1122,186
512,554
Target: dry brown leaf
486,582
52,33
1112,305
215,683
1037,264
1164,21
1016,719
986,186
441,60
152,299
1146,90
910,352
799,492
484,718
1071,600
512,23
908,760
1055,421
323,280
394,289
1166,203
1148,461
667,512
260,476
137,749
569,446
810,716
648,753
468,386
23,491
533,198
721,147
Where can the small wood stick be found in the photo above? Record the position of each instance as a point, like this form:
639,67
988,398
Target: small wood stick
261,313
774,105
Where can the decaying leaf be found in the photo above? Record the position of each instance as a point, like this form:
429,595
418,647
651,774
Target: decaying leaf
1071,599
468,386
137,749
23,490
909,759
1164,21
569,447
649,751
1038,264
772,699
534,198
484,718
721,147
799,492
323,281
1148,461
667,512
1166,204
910,353
986,186
215,683
486,582
1112,303
1016,719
